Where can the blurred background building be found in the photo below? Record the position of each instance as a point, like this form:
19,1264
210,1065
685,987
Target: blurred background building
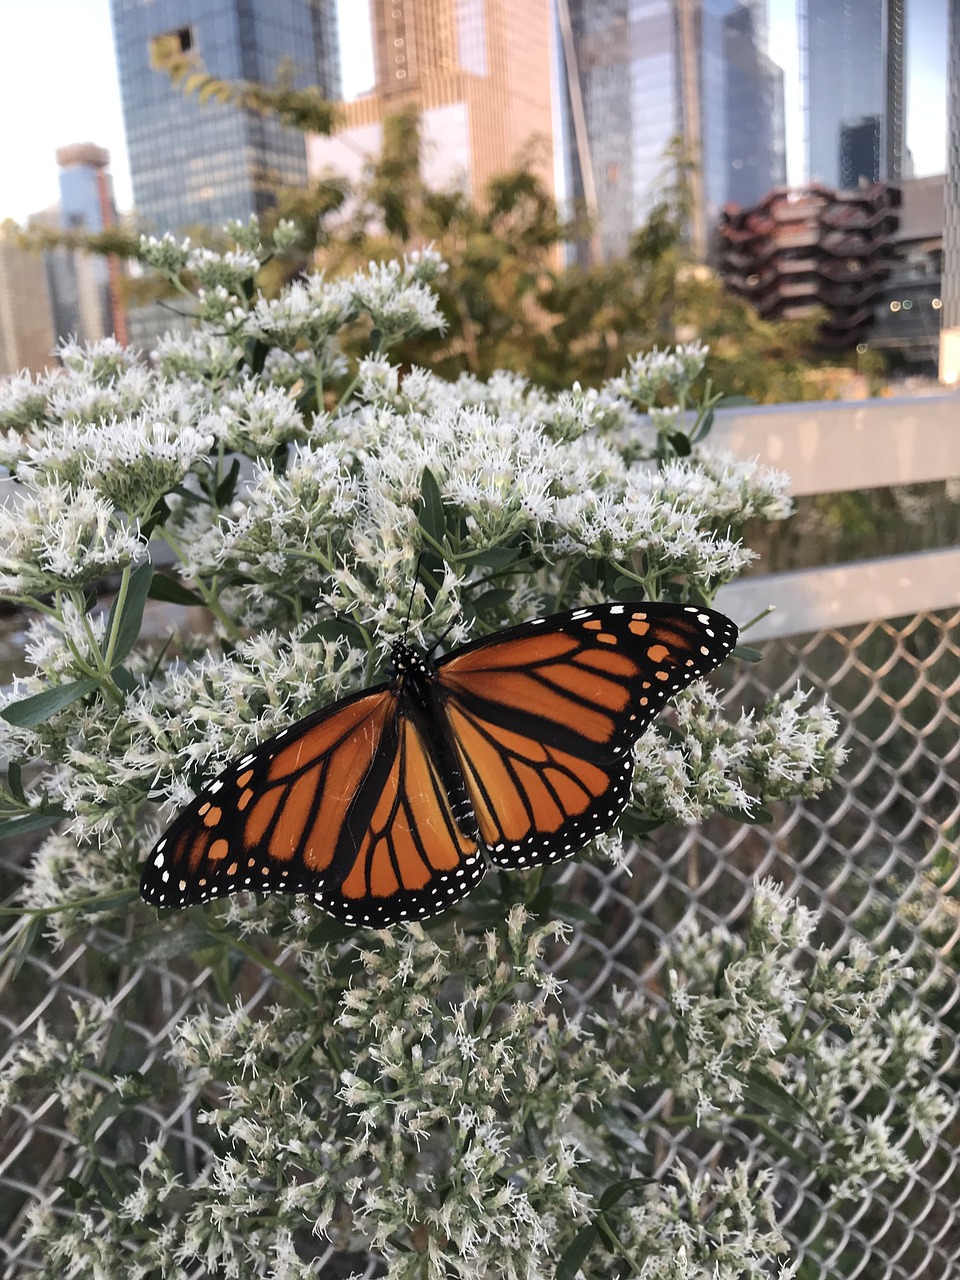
479,72
198,163
639,73
26,317
85,288
852,63
909,306
813,248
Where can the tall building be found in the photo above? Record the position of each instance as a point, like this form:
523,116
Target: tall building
26,329
194,163
852,67
643,72
85,288
479,74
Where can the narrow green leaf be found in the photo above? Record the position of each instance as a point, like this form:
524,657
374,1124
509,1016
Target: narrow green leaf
768,1094
734,402
108,1109
576,1253
228,485
492,557
432,518
15,782
169,590
617,1190
755,817
335,629
25,942
41,706
330,933
635,825
490,602
704,426
35,820
627,589
747,654
124,679
165,944
131,620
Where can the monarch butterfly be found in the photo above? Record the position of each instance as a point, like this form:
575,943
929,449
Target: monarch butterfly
389,805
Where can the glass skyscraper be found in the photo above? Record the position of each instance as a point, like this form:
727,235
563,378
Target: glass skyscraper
195,163
853,88
647,71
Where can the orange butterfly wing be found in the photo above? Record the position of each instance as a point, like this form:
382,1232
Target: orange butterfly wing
544,717
378,806
277,819
350,805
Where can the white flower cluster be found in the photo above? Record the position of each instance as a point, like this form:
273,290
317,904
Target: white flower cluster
746,1020
650,372
734,765
434,1106
431,1103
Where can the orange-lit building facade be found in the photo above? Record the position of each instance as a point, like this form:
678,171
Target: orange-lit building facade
479,74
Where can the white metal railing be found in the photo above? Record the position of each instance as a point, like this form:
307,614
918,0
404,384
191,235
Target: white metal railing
839,447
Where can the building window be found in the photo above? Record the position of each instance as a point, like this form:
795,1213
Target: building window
171,46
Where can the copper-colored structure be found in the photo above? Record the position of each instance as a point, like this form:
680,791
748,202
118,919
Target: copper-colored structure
479,73
809,247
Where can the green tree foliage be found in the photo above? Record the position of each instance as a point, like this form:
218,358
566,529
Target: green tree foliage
510,298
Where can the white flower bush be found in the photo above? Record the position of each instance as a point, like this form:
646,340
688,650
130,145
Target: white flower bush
428,1097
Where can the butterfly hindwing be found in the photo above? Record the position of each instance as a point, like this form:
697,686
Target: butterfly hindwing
545,715
415,835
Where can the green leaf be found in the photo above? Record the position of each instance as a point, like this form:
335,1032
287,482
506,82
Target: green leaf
41,706
432,517
163,587
15,782
35,820
124,679
768,1094
746,654
635,826
617,1190
734,402
330,933
681,443
228,485
165,944
491,557
627,589
576,1253
108,1109
491,602
131,619
335,629
26,940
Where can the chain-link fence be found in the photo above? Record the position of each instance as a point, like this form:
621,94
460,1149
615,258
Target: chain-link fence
877,854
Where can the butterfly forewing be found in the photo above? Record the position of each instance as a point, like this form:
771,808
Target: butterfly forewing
544,717
274,821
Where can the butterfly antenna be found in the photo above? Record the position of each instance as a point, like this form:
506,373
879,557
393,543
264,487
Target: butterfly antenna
416,579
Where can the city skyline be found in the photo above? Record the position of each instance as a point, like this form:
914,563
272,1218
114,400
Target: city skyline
79,98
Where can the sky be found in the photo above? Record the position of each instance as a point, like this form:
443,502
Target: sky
58,85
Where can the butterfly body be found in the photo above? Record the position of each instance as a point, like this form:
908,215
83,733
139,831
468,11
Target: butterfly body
514,750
